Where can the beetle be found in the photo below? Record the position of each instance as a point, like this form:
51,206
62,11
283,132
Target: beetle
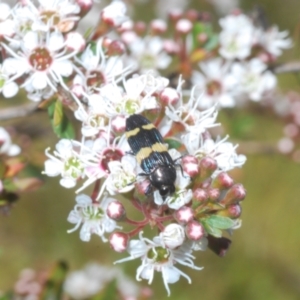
152,155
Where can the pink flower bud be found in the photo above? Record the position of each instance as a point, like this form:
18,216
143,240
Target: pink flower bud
171,47
158,26
235,194
126,26
184,26
192,15
115,210
106,42
129,37
184,215
223,180
213,194
169,96
207,166
119,241
200,195
140,27
85,6
142,186
75,42
208,163
175,14
114,14
118,124
233,211
190,165
194,231
116,48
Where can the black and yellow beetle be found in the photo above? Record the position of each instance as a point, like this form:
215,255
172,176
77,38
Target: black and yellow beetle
152,155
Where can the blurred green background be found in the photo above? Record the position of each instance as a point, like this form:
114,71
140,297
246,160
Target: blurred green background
264,259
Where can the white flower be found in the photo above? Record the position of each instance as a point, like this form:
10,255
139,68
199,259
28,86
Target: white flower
236,37
80,285
6,145
75,41
132,100
223,152
114,14
122,175
50,14
153,83
7,86
99,70
94,117
172,236
98,153
149,53
274,40
64,162
175,201
189,115
92,216
7,25
155,257
86,283
236,23
217,82
254,79
42,60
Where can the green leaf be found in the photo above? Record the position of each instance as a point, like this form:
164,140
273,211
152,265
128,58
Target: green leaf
197,29
212,43
60,123
93,47
219,222
211,230
207,29
87,33
173,144
58,114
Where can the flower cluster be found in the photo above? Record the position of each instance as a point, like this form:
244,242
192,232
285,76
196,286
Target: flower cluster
288,109
90,282
240,72
41,46
90,76
205,201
